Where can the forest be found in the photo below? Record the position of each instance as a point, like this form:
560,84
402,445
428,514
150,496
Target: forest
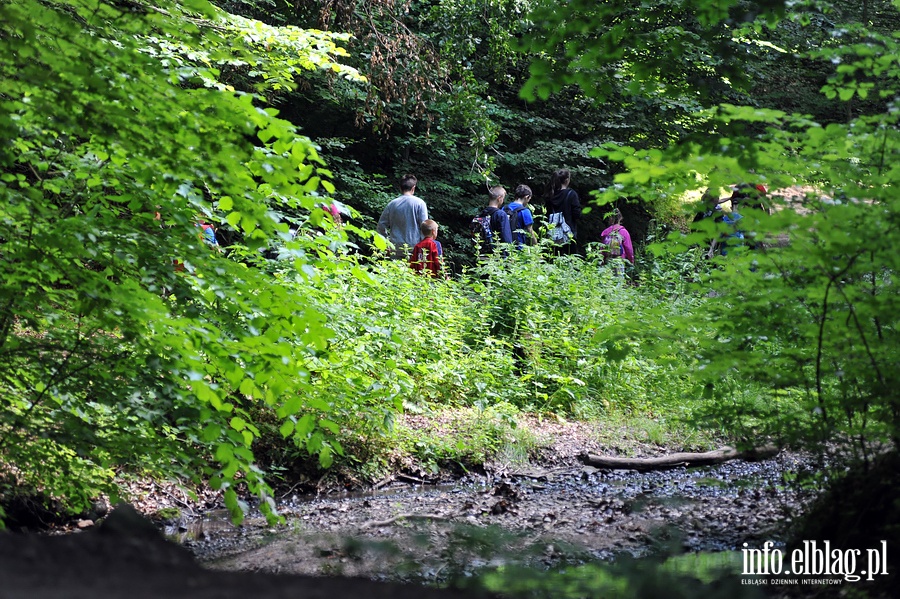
295,350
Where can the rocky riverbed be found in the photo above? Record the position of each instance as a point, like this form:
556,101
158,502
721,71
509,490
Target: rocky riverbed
544,512
536,516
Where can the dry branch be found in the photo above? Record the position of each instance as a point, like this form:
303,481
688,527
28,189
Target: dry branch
674,460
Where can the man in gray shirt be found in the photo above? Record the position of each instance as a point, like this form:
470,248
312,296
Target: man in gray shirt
401,219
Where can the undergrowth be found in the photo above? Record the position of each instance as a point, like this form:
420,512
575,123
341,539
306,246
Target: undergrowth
519,335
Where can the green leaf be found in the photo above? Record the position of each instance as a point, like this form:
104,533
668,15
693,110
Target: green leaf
224,453
326,457
211,432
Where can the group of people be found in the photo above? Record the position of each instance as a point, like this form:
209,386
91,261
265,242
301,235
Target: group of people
413,236
404,221
744,196
515,223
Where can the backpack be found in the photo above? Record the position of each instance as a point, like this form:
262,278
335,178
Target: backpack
518,233
514,217
560,231
481,229
615,245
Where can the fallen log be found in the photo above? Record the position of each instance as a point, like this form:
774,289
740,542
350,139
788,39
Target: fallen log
675,460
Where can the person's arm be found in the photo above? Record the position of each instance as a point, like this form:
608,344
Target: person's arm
384,222
575,205
528,226
626,245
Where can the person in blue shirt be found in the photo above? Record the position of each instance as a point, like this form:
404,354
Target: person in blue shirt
521,220
208,234
733,238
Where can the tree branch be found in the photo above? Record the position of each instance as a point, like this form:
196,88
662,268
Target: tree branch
675,460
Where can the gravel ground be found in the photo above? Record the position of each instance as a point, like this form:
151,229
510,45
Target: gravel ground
549,511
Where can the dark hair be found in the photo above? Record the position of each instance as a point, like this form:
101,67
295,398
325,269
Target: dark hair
710,197
408,182
522,191
751,196
560,177
615,217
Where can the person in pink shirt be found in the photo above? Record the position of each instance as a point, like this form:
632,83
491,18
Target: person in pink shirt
617,240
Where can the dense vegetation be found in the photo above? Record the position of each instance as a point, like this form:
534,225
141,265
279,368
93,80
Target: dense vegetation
127,345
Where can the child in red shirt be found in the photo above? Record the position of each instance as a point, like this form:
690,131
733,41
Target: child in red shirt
426,256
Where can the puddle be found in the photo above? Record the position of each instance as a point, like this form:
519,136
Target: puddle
212,524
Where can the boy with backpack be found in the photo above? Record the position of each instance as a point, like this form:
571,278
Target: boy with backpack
491,227
521,220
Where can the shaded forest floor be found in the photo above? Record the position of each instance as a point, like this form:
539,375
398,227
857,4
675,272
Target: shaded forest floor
541,512
538,443
538,507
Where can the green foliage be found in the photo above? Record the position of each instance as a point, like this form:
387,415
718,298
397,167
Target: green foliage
666,425
443,103
521,330
125,341
798,335
670,273
814,316
671,49
516,334
467,438
445,77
